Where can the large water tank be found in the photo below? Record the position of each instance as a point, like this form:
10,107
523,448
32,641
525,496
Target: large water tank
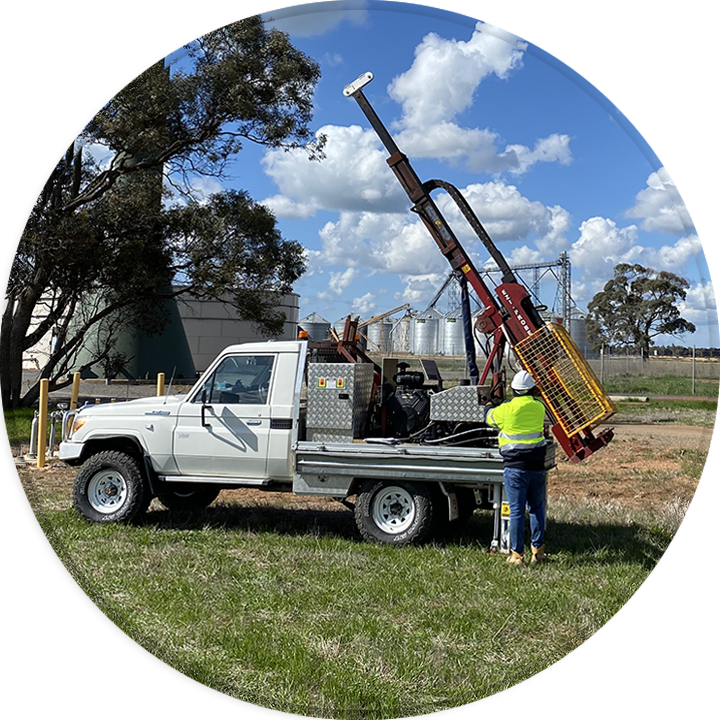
426,332
144,355
453,337
315,326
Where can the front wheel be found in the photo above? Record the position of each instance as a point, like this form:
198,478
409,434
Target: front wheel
110,487
394,513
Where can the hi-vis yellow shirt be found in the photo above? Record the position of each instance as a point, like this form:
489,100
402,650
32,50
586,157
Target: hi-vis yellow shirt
520,422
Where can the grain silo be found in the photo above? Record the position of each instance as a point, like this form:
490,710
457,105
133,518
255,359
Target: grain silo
578,332
317,327
453,336
426,332
402,335
339,326
378,335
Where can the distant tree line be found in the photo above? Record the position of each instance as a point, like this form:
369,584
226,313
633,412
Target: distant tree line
663,351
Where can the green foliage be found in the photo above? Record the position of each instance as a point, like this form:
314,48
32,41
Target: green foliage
103,245
230,246
635,306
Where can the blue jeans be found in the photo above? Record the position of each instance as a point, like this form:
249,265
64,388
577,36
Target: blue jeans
525,487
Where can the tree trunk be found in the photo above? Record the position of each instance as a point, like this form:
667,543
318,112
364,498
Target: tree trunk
15,324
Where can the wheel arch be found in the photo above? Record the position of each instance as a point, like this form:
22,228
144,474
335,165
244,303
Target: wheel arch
121,443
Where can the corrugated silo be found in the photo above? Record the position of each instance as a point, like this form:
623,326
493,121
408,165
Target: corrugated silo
453,336
316,326
339,326
402,335
426,332
578,332
378,335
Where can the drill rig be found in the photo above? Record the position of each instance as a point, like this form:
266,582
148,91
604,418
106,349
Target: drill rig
570,390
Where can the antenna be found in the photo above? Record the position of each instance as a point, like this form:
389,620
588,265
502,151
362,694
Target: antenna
167,389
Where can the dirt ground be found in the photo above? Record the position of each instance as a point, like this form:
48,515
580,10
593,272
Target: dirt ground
645,466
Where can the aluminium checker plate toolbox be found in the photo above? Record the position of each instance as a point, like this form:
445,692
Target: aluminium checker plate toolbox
338,400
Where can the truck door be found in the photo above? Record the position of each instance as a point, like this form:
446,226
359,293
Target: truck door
234,405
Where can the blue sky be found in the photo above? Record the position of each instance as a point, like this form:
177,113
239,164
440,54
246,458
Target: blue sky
548,163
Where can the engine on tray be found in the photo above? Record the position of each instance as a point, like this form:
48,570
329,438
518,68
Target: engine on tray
426,414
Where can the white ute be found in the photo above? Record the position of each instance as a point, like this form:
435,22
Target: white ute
263,416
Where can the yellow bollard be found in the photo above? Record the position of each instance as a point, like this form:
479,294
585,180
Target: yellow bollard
42,423
75,390
161,384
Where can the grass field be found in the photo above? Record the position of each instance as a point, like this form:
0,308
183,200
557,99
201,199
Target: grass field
284,608
272,598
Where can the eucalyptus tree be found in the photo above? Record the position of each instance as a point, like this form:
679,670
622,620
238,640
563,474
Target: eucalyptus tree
635,306
104,243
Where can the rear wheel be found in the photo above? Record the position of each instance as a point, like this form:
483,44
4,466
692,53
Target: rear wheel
394,513
110,487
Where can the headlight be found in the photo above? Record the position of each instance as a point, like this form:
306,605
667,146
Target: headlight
79,422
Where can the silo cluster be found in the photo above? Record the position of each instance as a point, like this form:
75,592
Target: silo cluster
428,333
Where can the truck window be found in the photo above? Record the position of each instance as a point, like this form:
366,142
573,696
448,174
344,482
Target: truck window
239,380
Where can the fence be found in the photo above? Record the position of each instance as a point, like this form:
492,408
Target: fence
614,365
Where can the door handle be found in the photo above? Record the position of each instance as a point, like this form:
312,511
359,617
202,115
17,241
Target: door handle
253,422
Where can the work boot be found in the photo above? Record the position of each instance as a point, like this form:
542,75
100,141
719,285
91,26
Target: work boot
538,555
515,558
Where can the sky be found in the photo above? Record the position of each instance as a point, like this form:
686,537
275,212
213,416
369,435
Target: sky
547,162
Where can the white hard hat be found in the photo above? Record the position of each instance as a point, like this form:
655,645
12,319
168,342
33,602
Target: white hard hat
522,381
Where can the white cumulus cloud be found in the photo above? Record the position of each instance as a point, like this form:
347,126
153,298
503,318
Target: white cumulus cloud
445,73
364,305
660,207
602,245
352,176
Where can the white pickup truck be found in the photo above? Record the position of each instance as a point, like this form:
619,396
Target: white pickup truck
264,415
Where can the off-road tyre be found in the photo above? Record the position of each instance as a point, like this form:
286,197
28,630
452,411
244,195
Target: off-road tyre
184,497
395,512
110,488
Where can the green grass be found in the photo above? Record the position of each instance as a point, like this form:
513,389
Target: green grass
18,423
677,412
285,608
661,385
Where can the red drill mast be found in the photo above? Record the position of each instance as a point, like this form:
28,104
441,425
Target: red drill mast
509,316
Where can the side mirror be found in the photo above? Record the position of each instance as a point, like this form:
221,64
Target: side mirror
203,399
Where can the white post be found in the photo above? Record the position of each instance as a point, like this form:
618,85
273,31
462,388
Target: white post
693,371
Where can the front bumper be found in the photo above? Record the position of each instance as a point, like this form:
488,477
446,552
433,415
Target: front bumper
70,452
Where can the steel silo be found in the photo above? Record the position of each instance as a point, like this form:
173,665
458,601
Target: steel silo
378,335
316,326
402,335
426,332
578,332
453,337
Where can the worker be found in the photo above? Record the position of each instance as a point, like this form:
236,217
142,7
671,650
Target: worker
522,445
